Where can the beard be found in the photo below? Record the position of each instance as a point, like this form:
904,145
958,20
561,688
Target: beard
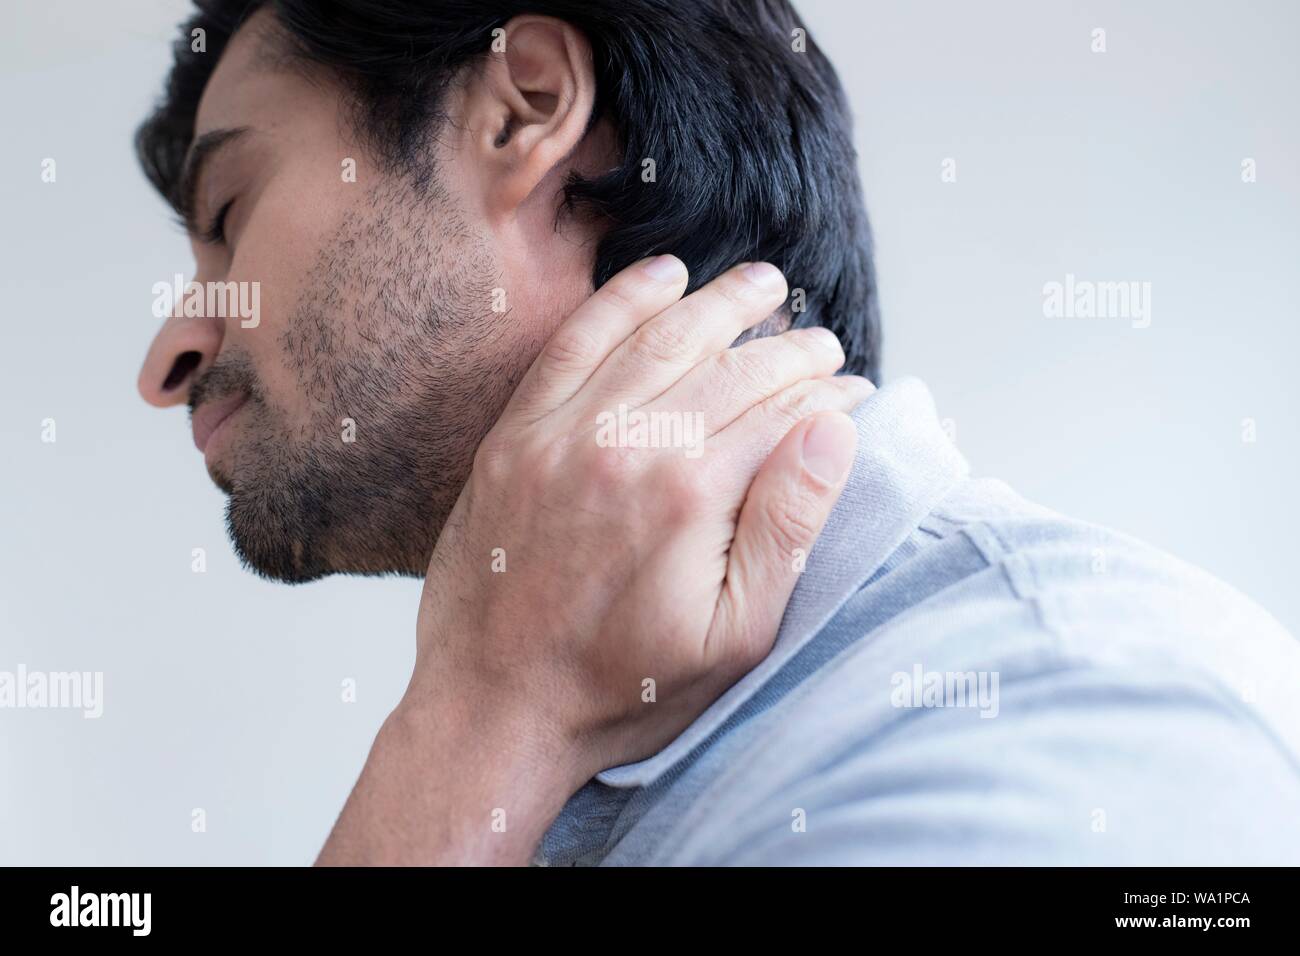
396,350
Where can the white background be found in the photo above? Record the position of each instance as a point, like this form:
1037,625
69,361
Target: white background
223,692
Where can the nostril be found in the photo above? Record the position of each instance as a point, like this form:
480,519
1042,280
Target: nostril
185,363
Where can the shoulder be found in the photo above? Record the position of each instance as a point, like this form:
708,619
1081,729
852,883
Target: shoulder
1042,691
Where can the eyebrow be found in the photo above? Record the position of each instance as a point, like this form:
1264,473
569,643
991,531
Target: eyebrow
197,158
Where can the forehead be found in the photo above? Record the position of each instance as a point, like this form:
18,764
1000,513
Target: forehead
256,85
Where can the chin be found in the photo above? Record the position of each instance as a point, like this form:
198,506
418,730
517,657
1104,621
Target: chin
267,546
221,480
293,555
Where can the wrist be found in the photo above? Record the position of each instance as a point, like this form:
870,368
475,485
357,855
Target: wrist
446,785
501,774
502,740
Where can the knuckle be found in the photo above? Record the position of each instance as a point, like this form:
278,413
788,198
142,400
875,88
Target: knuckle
663,341
735,288
684,492
798,401
749,369
791,522
546,460
571,347
611,467
490,450
491,459
623,294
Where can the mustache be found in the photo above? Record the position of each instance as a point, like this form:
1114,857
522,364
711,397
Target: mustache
229,376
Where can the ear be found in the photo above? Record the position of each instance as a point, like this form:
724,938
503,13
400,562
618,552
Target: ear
529,107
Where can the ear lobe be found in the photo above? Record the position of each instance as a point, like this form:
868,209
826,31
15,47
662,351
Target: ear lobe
535,106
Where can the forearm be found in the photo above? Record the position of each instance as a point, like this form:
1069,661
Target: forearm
446,786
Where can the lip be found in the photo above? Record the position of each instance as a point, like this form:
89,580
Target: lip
209,417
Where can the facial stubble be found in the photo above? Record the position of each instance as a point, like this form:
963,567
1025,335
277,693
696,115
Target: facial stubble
396,351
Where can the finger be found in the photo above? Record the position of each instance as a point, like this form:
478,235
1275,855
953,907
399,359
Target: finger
586,338
727,385
676,340
739,450
783,513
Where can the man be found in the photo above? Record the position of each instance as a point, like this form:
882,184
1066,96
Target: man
472,225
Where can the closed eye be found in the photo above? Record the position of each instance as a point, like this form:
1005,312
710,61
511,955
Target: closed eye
215,234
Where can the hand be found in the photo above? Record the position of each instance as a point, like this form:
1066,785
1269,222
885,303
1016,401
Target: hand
580,573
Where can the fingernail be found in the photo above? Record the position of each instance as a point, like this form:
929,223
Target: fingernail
828,447
763,274
862,384
665,268
826,338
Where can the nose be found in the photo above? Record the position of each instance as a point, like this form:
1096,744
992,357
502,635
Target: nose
181,351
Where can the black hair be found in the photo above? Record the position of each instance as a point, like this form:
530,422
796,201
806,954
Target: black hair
742,114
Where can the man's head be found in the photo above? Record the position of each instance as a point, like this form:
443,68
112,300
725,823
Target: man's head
423,191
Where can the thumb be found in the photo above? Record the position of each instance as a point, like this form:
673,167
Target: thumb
788,503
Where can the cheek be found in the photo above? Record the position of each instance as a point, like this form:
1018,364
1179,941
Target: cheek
279,247
277,253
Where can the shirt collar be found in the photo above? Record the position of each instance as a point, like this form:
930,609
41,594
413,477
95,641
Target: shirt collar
905,464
